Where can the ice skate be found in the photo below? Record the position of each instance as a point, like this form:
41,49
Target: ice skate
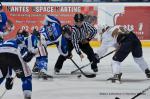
95,70
44,75
56,71
27,97
147,72
116,77
35,69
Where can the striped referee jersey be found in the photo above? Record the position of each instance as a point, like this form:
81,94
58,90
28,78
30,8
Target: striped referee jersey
85,32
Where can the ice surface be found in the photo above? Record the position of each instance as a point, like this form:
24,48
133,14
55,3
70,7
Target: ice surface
71,87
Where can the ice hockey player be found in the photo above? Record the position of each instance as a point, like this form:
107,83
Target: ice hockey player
66,32
82,33
125,42
36,35
5,25
53,34
11,58
42,57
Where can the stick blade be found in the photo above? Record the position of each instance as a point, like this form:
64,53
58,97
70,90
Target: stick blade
90,75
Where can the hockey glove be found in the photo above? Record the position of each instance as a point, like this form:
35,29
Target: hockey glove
9,83
28,56
69,56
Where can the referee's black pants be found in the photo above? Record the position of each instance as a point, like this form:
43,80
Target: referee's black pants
87,49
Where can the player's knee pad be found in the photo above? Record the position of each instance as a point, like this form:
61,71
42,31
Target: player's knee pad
27,83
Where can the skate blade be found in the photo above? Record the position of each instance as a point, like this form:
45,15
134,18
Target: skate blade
45,79
115,81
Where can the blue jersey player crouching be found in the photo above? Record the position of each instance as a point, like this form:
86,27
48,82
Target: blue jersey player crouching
51,32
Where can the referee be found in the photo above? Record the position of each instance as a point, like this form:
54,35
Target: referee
82,33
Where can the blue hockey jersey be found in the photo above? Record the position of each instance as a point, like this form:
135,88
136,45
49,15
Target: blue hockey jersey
51,33
31,42
10,43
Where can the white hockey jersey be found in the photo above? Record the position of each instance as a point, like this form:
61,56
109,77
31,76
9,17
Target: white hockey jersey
109,39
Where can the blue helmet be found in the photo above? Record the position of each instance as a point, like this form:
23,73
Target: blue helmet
51,19
20,36
1,6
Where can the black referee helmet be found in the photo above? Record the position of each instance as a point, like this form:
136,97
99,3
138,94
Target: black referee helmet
78,17
67,28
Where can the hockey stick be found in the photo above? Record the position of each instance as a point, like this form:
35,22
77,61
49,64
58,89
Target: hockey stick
86,75
92,62
140,93
81,67
6,89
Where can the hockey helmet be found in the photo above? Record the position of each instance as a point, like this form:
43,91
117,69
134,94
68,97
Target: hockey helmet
19,38
67,29
50,19
78,17
21,35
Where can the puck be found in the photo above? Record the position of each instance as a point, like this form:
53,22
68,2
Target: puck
117,98
79,76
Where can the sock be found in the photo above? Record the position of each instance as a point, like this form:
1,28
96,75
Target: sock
116,67
142,63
